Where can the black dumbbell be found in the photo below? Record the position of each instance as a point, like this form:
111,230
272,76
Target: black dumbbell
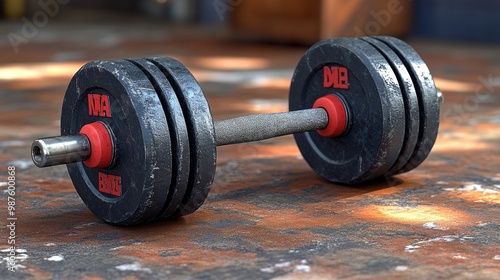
140,144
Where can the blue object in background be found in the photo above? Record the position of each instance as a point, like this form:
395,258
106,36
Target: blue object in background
464,20
213,12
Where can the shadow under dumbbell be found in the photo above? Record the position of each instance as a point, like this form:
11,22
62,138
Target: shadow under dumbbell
291,191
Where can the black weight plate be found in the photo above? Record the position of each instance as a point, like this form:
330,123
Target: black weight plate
427,97
201,132
373,141
410,101
178,132
143,165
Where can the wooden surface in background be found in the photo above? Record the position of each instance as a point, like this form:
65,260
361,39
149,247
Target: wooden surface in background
310,21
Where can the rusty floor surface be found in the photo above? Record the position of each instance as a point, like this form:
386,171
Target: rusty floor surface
268,214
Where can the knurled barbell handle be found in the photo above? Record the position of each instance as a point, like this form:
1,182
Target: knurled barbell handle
264,126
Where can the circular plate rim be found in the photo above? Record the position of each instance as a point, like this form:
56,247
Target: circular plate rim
412,110
429,103
201,132
178,132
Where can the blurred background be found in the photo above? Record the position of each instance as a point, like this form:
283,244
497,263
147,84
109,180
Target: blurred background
292,21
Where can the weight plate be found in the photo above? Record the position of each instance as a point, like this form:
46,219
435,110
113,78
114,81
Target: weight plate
134,189
410,100
373,141
427,97
201,132
178,132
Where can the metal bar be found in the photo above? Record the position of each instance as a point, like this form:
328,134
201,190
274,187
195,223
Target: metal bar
60,150
68,149
265,126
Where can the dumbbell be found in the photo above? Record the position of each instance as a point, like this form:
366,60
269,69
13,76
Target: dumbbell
140,144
